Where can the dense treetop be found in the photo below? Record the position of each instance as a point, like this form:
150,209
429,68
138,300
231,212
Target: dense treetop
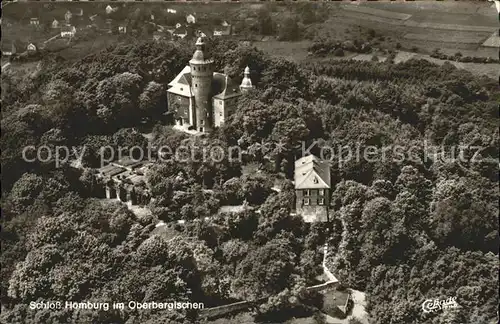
399,224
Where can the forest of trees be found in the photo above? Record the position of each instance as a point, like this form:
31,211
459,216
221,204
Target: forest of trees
411,230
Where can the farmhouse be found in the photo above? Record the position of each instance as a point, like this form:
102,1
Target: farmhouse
122,29
68,31
110,10
312,188
55,23
34,21
191,19
201,98
173,11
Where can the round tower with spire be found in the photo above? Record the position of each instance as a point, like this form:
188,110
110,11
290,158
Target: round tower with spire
246,83
201,84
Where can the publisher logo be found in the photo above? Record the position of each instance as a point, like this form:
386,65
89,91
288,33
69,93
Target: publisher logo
433,305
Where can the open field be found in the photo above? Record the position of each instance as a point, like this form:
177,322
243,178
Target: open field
456,8
418,23
377,12
293,51
449,37
492,41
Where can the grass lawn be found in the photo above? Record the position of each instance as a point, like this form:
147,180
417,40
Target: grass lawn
293,51
449,37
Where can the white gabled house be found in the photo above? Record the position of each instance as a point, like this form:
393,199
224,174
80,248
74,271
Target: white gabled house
68,31
191,19
110,9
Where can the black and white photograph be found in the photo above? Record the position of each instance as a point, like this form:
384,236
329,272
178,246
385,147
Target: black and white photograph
248,162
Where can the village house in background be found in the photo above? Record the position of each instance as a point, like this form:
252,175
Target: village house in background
191,19
201,98
34,21
110,10
312,189
55,24
122,29
31,48
68,31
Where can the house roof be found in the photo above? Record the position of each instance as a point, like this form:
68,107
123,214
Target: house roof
312,173
111,170
181,84
223,87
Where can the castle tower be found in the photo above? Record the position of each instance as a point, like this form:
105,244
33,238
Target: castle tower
201,85
246,83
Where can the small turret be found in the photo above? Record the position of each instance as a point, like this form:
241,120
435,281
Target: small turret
246,83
